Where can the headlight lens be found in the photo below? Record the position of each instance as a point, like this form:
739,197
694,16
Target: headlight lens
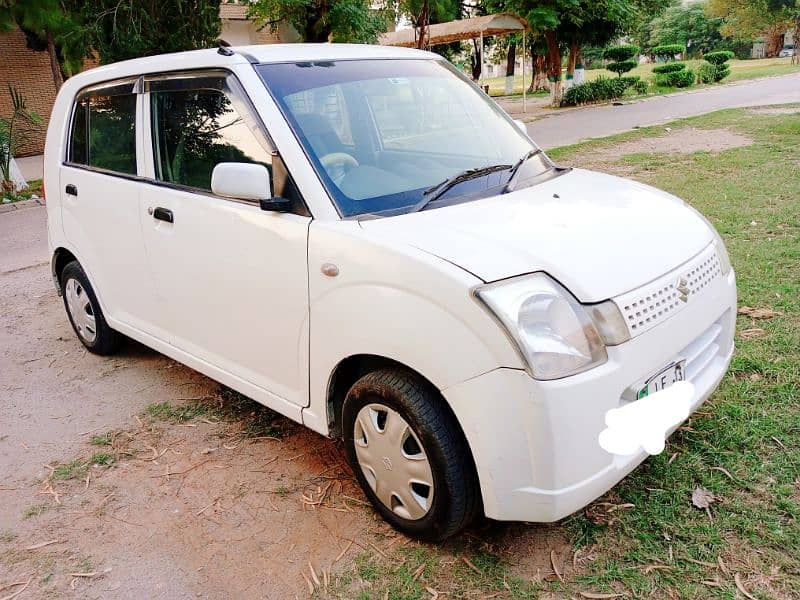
552,330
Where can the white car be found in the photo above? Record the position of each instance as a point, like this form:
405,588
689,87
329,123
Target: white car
360,239
786,52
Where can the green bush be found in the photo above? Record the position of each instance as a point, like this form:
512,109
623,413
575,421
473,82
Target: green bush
707,74
722,71
668,51
679,79
621,53
672,67
621,67
598,90
720,57
630,80
641,86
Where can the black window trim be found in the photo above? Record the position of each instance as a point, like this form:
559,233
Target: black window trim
139,86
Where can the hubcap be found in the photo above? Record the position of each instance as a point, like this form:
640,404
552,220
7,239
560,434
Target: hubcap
393,461
81,311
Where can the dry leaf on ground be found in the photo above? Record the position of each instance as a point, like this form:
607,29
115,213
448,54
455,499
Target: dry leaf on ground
702,498
759,313
751,333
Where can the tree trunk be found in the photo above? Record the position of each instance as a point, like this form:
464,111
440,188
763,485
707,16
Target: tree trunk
423,20
539,64
553,67
511,60
476,60
55,67
796,37
574,51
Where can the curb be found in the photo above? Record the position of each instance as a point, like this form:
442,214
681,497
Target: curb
21,205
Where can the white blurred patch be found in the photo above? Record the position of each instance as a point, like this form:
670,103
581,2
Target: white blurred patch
644,424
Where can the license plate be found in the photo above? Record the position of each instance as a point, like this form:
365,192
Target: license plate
663,379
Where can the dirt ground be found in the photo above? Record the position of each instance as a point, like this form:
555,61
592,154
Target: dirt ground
685,140
109,491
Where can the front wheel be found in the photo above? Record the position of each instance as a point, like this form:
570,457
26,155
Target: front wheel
409,455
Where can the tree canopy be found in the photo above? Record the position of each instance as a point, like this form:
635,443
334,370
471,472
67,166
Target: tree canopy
323,20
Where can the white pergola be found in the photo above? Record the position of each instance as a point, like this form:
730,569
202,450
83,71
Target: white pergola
463,29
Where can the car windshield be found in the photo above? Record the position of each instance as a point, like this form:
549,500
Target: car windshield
393,136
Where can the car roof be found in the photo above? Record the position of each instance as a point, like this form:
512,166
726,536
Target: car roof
266,53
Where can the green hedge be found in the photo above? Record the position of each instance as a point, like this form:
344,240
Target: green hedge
719,57
679,79
641,86
598,90
621,67
621,53
668,50
672,67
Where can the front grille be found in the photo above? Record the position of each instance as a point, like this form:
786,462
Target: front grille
646,307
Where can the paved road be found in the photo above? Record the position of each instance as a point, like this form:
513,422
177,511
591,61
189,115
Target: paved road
580,124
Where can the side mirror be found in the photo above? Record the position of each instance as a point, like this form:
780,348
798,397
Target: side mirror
276,204
522,127
242,181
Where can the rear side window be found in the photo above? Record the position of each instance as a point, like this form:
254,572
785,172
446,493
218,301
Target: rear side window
104,132
197,123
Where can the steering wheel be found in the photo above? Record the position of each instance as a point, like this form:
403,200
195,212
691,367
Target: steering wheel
337,164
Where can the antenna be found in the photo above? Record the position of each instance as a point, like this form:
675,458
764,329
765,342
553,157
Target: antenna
225,48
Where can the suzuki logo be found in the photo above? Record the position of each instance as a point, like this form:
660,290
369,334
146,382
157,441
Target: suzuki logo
683,289
387,463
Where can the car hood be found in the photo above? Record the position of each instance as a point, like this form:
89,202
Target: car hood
598,235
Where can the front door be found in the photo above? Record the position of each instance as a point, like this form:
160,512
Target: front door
232,279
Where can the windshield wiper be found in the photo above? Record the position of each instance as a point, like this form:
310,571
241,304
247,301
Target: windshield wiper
512,179
437,191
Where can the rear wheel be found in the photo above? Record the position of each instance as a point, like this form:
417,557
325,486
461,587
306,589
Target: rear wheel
84,311
409,455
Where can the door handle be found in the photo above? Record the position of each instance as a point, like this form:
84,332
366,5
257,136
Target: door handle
71,190
163,214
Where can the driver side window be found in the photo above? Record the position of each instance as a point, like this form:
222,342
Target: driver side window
197,123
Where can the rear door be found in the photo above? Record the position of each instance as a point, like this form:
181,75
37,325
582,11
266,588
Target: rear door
232,279
99,186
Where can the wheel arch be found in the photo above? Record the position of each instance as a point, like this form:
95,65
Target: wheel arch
60,259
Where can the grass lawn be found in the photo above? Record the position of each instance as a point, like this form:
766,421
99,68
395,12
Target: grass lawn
740,69
743,445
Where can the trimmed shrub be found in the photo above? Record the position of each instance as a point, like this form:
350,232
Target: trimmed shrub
630,80
598,90
720,57
723,71
621,67
707,74
672,67
641,86
668,51
679,79
621,53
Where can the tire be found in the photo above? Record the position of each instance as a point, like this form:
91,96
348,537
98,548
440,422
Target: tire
88,320
385,467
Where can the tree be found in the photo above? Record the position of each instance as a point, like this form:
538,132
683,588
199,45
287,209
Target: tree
688,25
750,19
49,26
122,29
622,58
322,20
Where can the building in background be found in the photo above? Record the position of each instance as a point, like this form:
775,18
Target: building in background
29,71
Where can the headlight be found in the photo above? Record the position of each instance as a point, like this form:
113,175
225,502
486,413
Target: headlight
552,330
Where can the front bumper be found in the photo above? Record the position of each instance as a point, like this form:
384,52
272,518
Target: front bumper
535,442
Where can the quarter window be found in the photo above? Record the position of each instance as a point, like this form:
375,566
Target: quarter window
197,123
104,131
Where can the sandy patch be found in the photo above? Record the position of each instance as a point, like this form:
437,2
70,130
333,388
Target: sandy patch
787,110
687,140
